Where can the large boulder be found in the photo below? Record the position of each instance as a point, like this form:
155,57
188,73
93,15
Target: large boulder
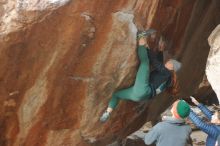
61,60
213,62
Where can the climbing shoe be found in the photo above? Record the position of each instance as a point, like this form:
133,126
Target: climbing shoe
143,34
105,116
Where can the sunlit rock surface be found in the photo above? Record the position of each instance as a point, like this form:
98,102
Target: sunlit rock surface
60,61
213,62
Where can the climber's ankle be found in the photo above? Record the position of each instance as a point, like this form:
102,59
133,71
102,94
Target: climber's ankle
109,110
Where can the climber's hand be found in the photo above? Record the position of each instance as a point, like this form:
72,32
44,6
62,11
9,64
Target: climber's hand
142,41
194,100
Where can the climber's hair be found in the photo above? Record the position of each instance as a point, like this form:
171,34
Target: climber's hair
174,88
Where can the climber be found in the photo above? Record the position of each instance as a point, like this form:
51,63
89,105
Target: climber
172,131
147,85
212,129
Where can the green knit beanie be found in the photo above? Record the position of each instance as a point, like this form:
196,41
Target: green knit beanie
183,109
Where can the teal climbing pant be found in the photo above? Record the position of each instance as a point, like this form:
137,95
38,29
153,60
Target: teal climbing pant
141,89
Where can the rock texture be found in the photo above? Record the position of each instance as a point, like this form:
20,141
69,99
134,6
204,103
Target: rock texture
213,62
203,20
60,61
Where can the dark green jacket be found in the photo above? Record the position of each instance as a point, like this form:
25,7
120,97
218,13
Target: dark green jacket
160,77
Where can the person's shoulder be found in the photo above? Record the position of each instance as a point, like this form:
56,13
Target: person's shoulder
188,127
161,124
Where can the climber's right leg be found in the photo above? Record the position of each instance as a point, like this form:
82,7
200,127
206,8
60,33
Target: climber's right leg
125,94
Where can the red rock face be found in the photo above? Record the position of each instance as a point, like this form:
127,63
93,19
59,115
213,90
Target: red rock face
61,61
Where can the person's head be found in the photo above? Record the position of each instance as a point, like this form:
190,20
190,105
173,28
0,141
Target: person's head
173,65
169,65
180,109
216,117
